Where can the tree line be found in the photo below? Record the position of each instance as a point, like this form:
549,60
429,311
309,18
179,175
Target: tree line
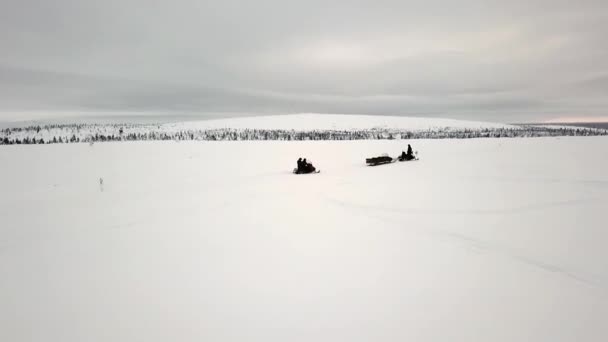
90,133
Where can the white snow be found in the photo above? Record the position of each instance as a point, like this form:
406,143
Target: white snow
480,240
311,121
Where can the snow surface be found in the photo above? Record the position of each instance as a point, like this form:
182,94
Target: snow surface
479,240
308,122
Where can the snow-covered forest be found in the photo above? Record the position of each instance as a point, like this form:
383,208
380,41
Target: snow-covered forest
76,133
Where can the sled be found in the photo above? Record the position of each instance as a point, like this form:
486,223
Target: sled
379,160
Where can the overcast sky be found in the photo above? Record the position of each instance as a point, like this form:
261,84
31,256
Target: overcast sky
507,60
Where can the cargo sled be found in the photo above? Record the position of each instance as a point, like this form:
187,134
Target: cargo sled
383,159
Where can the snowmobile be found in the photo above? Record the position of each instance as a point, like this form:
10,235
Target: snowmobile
306,169
383,159
408,157
312,169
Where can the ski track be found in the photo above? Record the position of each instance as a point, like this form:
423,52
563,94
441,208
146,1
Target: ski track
586,182
468,241
515,255
512,210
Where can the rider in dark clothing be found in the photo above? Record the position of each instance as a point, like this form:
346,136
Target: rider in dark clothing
300,165
409,150
307,167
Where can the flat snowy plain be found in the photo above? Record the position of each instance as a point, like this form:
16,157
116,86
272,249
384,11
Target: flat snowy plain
479,240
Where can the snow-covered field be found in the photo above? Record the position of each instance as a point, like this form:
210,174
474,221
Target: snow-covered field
313,121
479,240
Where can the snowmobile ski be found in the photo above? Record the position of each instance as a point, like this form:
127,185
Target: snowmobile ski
295,171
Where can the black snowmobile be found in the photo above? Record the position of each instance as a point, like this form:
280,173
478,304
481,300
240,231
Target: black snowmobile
384,159
312,169
406,157
305,168
409,155
304,172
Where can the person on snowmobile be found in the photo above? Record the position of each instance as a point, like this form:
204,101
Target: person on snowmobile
403,155
409,150
310,168
300,166
307,167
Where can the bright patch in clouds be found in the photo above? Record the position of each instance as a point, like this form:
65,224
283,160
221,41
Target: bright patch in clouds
575,119
337,54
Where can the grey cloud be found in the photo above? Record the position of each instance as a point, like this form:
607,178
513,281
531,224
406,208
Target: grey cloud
486,60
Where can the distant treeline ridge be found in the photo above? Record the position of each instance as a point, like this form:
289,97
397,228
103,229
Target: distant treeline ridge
91,133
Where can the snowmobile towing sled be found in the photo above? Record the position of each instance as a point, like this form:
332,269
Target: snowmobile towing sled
383,159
